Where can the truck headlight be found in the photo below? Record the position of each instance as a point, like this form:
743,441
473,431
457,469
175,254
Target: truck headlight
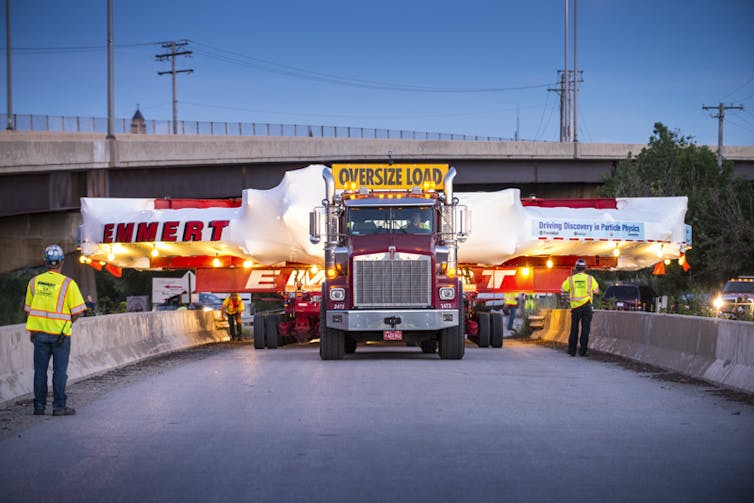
718,302
447,293
337,294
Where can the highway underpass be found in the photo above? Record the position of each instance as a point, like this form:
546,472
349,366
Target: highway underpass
224,422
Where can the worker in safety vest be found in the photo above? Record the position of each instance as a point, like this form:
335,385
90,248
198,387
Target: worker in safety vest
580,288
232,309
511,305
53,303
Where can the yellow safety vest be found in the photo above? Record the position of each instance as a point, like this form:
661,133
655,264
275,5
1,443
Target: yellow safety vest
51,299
580,287
511,299
233,306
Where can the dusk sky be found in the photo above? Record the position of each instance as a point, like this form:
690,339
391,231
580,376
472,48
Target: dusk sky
450,67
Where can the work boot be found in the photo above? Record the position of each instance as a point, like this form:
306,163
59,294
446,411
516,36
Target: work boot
65,411
39,412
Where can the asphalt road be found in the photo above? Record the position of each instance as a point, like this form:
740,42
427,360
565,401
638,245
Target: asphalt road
525,423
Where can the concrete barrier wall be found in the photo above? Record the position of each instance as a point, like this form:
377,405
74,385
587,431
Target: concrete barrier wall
715,350
104,343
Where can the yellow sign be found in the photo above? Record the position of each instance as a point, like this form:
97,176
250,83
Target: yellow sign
389,176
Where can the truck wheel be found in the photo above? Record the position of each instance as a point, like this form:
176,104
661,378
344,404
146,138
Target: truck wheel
429,346
259,331
332,344
484,330
351,345
496,339
452,345
271,330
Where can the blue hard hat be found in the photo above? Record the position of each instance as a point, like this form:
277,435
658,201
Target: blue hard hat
53,254
580,264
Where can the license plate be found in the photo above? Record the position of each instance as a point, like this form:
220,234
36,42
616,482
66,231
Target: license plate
619,304
393,335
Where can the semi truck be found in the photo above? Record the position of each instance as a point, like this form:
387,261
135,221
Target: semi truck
391,236
386,255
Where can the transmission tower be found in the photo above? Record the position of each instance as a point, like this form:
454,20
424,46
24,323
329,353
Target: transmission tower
174,52
720,116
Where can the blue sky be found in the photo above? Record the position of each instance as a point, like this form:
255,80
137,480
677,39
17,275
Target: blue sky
263,61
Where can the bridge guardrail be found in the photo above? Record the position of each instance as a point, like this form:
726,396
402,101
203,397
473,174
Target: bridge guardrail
712,349
77,124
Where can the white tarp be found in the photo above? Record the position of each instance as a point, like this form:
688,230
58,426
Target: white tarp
272,227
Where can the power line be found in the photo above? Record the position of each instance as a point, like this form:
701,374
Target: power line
292,71
173,46
738,89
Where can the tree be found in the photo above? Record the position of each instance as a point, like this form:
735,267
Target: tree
720,205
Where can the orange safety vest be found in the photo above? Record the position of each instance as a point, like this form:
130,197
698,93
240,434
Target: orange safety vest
580,287
51,300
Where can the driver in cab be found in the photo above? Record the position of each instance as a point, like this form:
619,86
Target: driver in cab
415,225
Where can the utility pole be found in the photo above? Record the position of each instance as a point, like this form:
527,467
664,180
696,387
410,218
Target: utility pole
569,80
8,65
720,116
110,69
172,46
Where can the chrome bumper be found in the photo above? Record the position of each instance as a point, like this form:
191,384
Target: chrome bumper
409,319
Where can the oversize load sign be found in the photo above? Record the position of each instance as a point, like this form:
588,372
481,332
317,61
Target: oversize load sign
389,176
587,229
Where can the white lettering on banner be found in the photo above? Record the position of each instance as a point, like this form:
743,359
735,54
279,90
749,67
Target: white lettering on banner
497,276
262,278
551,228
307,279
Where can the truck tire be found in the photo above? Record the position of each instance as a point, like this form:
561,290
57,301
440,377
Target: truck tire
259,331
452,341
429,346
496,337
484,330
271,330
351,345
332,343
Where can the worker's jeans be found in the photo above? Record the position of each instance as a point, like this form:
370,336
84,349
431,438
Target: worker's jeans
511,317
234,324
582,315
46,346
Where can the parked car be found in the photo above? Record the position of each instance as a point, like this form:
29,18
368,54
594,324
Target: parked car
629,297
210,300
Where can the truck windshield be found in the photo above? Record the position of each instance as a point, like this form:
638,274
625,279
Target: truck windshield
739,287
390,220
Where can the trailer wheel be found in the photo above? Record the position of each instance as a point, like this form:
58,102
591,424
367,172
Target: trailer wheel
429,346
484,330
271,330
497,329
259,331
452,340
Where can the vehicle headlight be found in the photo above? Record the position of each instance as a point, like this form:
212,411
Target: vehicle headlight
337,294
718,302
447,293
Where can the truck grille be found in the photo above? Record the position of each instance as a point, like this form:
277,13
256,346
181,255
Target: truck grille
392,282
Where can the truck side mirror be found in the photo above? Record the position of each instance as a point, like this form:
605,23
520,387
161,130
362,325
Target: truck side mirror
315,226
464,223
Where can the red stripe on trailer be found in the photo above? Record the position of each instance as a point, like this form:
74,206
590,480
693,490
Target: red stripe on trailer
179,204
597,203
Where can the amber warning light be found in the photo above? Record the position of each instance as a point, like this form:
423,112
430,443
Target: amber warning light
389,176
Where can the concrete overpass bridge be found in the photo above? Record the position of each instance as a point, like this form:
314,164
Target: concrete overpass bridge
43,174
